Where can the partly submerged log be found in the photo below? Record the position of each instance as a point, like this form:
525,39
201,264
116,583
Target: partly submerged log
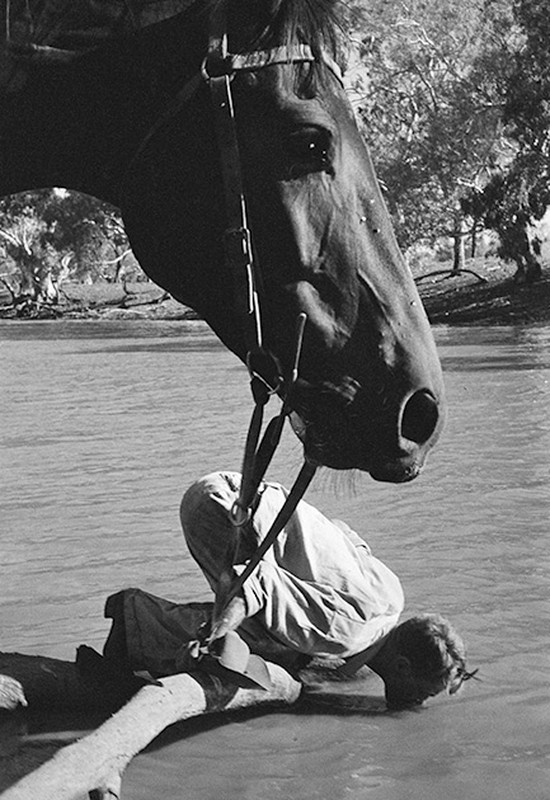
95,764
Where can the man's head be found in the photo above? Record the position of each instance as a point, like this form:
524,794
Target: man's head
423,656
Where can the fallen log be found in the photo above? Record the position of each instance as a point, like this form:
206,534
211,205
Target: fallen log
95,764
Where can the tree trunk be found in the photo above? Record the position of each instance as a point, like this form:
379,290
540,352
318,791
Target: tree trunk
473,239
519,245
36,279
533,269
459,233
95,763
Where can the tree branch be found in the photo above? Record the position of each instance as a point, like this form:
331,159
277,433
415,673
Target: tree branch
95,764
10,238
4,282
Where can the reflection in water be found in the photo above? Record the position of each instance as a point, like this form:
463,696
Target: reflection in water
497,348
105,425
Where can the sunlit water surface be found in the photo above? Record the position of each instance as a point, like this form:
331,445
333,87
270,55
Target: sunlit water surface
103,427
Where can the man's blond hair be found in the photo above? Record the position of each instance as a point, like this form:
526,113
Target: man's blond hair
435,650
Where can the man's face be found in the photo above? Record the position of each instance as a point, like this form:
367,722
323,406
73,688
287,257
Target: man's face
405,690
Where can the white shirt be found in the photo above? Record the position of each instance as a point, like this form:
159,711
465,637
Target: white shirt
318,589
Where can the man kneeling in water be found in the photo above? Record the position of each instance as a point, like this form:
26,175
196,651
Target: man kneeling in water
318,591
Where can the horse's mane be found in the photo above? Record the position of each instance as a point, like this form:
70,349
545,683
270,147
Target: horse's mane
276,22
264,24
84,24
57,30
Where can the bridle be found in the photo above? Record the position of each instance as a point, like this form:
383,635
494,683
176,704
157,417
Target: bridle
218,69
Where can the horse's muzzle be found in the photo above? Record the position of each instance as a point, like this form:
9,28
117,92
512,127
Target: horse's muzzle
390,442
416,428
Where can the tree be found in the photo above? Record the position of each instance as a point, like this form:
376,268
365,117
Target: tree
49,235
520,193
28,260
431,97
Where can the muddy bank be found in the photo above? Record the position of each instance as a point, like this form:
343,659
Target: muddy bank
497,300
104,301
452,300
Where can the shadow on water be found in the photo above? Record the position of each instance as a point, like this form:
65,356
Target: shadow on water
485,349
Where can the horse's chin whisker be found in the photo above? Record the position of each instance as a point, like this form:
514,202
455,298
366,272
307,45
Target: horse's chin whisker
348,481
340,483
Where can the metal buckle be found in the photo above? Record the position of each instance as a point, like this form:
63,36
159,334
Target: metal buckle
265,367
216,66
238,246
240,516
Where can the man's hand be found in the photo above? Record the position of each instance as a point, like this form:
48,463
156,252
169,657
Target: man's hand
189,655
11,693
230,619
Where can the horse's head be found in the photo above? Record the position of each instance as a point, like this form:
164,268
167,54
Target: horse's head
370,393
115,122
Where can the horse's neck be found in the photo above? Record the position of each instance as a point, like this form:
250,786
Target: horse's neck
43,138
78,125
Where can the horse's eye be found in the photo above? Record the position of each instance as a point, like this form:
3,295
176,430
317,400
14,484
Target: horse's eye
308,150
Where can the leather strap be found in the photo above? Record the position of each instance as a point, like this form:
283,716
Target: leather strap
298,490
218,69
256,458
237,237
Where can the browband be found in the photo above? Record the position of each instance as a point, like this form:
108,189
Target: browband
216,64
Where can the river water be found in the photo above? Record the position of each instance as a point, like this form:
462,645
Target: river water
103,427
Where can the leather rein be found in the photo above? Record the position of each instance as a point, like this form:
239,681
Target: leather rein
218,69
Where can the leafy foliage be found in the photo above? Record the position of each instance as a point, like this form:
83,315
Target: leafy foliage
431,98
521,192
51,234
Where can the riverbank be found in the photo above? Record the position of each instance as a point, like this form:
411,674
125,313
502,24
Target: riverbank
106,301
485,294
496,300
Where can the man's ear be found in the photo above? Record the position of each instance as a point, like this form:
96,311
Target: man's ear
403,666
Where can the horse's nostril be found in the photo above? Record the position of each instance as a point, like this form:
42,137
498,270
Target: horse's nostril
420,417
